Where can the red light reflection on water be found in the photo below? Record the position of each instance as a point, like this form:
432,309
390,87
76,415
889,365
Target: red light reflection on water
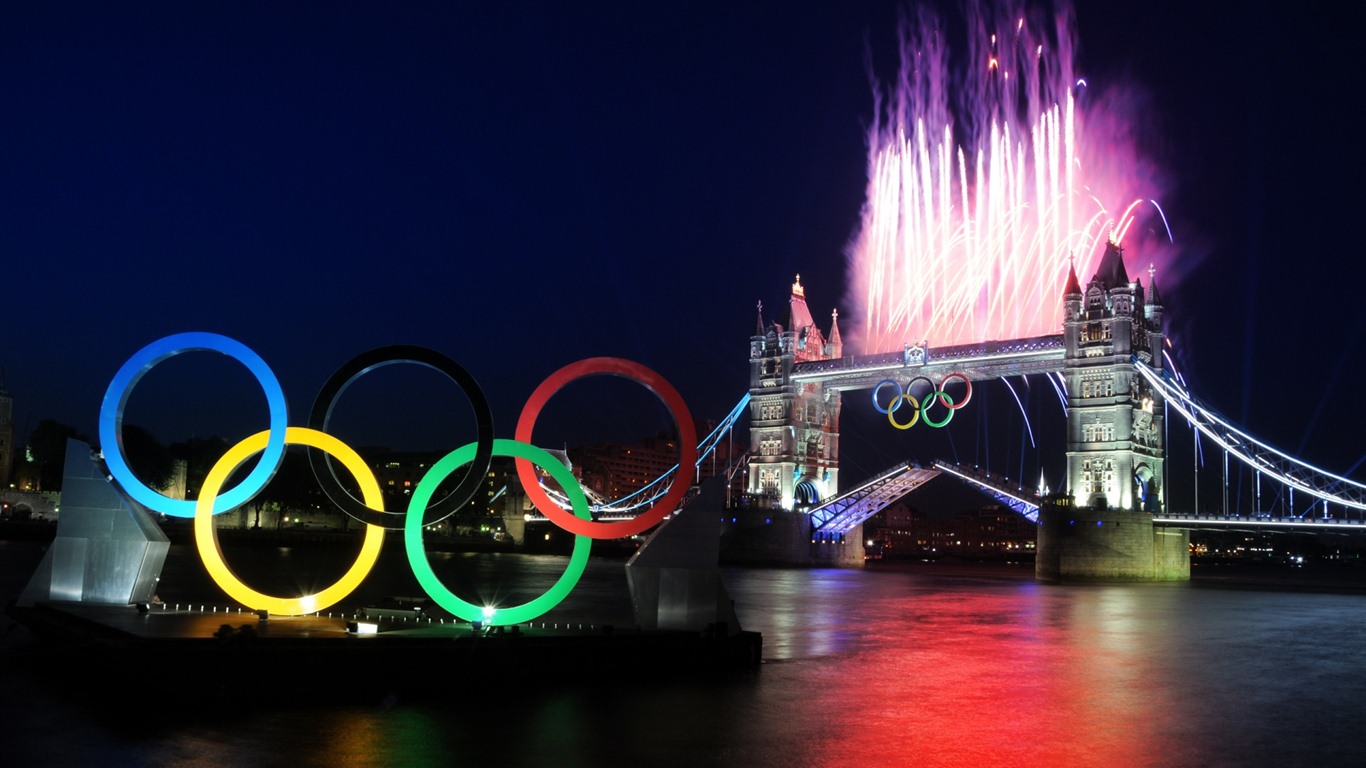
1011,676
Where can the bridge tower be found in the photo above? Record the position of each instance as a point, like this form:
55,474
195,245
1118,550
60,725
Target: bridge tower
1102,527
794,427
1115,450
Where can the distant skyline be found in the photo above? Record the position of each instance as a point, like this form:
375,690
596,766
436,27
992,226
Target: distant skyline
522,186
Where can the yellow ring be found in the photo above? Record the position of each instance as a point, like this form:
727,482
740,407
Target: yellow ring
896,403
206,534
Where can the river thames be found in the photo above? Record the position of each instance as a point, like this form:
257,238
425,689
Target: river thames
885,666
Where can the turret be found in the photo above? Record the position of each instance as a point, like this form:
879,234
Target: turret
1152,316
835,348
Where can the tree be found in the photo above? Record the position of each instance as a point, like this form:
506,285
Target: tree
45,457
199,455
150,461
293,488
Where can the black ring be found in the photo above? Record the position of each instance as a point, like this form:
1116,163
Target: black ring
376,358
934,388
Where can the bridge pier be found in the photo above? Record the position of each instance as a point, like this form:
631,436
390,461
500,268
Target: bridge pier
1089,544
780,537
843,551
514,522
765,537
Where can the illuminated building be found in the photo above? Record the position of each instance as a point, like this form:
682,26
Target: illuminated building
615,470
794,427
1114,421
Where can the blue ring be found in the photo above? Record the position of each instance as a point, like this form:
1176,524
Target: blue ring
116,397
878,389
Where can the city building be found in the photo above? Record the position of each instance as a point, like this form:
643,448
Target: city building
991,532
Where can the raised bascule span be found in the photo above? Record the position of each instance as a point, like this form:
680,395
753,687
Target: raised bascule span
840,515
1012,495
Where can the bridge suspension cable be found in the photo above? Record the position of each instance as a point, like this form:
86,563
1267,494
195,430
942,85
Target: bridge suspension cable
646,496
1278,465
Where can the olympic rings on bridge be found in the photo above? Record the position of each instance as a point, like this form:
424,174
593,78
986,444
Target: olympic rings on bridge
370,508
687,437
142,361
921,408
376,358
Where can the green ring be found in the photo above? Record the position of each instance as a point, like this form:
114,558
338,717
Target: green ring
422,568
928,400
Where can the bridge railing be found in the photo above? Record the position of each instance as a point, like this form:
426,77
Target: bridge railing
842,513
1021,501
1171,520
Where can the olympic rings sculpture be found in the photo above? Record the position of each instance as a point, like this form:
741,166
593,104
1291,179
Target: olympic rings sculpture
920,409
421,510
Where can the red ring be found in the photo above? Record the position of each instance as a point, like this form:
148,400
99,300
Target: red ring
687,436
945,380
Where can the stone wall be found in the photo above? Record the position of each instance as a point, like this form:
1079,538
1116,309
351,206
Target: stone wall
1085,544
765,537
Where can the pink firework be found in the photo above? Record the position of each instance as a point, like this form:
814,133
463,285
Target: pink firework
985,185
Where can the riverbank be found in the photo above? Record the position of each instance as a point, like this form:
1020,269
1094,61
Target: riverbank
1222,573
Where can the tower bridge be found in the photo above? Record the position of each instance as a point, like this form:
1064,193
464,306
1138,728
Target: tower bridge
1112,519
797,378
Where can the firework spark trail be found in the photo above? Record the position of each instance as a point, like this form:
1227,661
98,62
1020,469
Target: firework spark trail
1023,412
976,210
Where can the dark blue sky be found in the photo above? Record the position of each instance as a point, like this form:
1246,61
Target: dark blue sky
521,185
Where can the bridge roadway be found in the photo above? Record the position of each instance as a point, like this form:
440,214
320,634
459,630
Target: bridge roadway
979,361
852,508
1027,504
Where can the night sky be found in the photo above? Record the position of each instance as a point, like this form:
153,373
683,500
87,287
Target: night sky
521,185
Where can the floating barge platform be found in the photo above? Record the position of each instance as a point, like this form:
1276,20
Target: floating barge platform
227,653
91,603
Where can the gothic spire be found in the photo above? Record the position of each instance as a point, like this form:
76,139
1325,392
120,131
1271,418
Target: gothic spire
1073,286
836,344
1111,272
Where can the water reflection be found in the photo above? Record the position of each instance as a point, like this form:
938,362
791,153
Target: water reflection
861,668
965,672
